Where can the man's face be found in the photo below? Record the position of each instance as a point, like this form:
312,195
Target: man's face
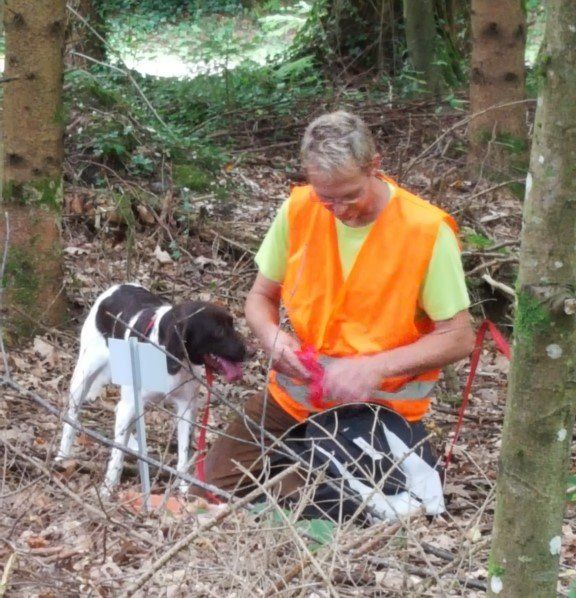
349,196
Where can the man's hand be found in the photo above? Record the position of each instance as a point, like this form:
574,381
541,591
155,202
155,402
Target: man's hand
352,380
281,347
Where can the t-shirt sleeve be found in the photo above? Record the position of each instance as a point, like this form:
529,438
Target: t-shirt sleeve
272,256
444,293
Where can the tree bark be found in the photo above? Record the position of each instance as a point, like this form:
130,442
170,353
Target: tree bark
420,27
541,405
498,137
32,163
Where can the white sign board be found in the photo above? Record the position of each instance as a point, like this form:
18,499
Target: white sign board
151,362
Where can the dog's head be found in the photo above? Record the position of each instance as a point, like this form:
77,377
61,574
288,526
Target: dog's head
206,333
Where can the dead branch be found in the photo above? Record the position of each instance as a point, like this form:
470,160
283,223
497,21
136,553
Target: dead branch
422,572
110,443
228,510
499,285
459,124
100,514
493,262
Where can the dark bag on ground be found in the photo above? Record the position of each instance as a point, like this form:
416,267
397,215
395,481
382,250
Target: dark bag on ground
379,465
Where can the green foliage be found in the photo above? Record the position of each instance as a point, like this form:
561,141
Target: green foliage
476,240
191,177
318,531
171,9
572,589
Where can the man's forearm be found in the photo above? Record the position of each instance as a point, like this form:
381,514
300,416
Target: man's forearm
432,351
262,318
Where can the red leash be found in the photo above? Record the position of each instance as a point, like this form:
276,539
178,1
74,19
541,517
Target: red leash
504,347
201,445
308,357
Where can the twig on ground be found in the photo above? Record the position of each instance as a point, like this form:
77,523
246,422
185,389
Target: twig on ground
228,510
494,188
308,555
422,572
75,497
8,567
459,124
499,285
496,261
110,443
383,529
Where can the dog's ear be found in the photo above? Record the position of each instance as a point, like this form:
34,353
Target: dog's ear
188,330
178,338
191,337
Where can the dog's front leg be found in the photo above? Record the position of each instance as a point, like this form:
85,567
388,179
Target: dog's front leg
186,414
125,411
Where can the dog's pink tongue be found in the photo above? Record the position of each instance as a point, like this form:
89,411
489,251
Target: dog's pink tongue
232,369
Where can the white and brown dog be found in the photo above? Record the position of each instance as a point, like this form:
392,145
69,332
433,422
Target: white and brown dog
193,332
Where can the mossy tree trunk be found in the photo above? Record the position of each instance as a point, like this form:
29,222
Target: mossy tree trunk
421,39
539,419
32,164
498,137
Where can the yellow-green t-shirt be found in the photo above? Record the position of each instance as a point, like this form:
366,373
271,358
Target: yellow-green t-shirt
443,293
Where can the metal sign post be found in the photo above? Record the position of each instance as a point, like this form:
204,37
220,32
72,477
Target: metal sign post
140,423
141,366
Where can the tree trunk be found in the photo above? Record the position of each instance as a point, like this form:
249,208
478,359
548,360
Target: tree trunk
420,26
32,163
539,419
85,36
498,137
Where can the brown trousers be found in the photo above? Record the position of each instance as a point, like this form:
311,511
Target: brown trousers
243,444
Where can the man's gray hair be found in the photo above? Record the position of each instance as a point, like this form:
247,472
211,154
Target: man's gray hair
337,141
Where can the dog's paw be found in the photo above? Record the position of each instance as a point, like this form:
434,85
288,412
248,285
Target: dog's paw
183,487
105,492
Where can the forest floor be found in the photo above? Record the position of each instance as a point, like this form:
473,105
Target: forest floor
60,539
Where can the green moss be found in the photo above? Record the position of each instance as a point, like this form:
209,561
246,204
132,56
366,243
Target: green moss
195,179
21,278
531,316
512,143
543,62
476,240
494,570
46,192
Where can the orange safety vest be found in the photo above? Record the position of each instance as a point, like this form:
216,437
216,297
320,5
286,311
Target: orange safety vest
375,309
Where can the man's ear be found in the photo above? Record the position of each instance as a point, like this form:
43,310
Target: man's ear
375,163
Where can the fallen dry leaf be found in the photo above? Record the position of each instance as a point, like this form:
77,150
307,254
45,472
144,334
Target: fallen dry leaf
162,256
37,542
